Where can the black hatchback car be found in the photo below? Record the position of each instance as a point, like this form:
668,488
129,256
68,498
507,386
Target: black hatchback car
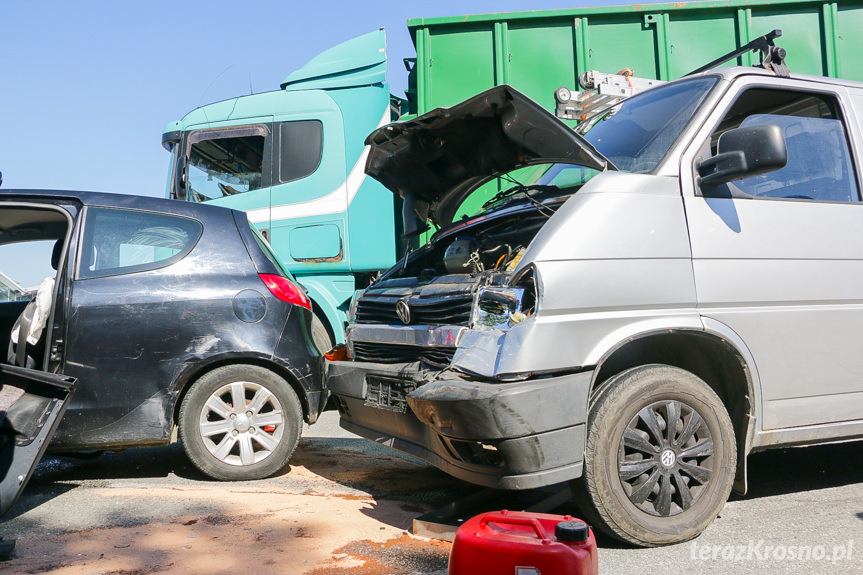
171,316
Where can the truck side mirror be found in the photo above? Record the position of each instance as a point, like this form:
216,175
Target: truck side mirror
179,189
742,153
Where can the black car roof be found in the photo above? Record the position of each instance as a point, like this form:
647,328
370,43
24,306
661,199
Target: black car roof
113,200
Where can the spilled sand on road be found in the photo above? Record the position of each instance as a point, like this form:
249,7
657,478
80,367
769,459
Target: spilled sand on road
256,531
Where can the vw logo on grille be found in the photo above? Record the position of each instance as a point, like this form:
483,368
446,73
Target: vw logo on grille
403,310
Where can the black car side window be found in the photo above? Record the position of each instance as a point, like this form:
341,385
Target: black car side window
120,241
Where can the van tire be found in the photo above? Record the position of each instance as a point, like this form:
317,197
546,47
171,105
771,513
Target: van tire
653,489
261,443
320,335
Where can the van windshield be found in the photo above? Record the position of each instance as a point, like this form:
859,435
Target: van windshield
637,133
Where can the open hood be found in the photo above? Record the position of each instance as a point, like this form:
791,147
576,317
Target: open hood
435,160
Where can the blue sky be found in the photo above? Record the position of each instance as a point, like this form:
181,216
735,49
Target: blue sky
88,86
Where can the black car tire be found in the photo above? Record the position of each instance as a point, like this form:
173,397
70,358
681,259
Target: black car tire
685,492
232,444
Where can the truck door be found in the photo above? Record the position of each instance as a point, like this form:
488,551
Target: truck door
310,199
779,259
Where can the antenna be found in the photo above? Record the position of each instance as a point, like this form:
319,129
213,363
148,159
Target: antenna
211,84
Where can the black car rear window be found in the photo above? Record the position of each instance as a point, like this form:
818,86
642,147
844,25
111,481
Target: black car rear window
118,241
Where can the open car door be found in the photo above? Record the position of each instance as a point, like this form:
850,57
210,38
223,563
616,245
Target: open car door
31,406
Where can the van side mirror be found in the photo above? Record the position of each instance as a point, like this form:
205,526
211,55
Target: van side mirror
742,153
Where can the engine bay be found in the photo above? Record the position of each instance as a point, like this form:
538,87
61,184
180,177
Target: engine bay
486,243
463,277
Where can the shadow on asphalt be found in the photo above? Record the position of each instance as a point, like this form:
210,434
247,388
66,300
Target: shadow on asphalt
381,474
33,498
135,463
57,474
780,472
416,487
792,470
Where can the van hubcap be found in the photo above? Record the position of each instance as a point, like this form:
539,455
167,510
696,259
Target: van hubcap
665,458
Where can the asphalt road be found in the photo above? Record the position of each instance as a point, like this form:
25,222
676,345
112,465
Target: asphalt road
804,512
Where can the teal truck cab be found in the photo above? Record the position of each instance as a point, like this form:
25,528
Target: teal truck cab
294,160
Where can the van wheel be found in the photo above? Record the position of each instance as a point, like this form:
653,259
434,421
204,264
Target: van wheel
240,422
660,457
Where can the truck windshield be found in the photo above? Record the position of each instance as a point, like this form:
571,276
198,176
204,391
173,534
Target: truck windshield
637,133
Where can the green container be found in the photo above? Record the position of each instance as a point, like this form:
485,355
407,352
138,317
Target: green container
539,51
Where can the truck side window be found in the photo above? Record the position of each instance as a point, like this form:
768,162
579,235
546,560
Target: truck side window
125,241
819,159
226,163
300,149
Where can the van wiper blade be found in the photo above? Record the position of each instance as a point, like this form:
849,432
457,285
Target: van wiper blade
503,195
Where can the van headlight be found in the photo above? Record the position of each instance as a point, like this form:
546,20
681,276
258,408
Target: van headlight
352,308
496,306
504,307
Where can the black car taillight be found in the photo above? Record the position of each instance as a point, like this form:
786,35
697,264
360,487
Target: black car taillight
286,290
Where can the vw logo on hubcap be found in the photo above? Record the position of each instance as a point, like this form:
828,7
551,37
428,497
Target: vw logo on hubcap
668,458
403,310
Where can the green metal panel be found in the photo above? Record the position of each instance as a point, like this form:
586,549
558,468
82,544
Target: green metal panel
541,59
622,42
686,43
849,43
460,64
541,50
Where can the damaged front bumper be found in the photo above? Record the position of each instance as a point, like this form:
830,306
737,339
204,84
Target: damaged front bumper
509,436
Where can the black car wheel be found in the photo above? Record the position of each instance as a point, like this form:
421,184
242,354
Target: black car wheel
660,456
240,422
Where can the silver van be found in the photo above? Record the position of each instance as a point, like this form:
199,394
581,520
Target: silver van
636,305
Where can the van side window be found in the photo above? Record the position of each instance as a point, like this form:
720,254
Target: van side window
125,241
819,159
300,149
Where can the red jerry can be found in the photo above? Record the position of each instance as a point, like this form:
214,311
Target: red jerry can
516,543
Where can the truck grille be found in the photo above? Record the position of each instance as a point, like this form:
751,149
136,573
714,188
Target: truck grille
453,309
389,353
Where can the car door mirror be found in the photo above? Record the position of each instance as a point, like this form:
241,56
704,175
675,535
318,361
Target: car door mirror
742,153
